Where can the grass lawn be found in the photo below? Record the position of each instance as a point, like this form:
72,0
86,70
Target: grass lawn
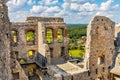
76,53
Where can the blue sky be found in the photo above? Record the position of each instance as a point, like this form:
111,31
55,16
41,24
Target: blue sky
73,11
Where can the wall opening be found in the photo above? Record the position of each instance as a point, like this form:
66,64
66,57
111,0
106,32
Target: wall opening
89,73
62,51
101,60
31,54
14,36
22,61
49,35
51,52
96,71
30,37
30,71
103,69
60,35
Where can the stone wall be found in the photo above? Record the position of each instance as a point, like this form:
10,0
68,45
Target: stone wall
100,47
5,67
45,48
21,45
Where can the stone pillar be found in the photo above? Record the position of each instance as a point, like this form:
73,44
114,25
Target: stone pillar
5,70
100,46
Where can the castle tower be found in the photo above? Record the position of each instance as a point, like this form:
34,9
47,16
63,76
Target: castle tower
100,47
5,71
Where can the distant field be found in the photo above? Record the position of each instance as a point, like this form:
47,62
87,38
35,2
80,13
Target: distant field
76,53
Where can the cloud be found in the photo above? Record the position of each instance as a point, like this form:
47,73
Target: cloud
71,10
31,2
106,5
19,16
48,2
66,6
75,6
75,1
88,7
15,4
52,9
115,7
37,9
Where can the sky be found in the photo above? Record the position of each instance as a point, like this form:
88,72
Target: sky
73,11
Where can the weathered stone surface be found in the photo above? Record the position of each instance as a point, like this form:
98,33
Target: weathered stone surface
5,69
100,46
98,58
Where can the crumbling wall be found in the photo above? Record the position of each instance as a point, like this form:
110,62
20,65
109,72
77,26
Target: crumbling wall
5,67
100,47
21,45
53,56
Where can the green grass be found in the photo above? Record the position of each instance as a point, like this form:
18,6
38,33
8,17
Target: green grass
76,53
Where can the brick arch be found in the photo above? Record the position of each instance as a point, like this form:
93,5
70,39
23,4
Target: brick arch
29,29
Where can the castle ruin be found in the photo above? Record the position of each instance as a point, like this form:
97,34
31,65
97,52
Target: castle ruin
40,58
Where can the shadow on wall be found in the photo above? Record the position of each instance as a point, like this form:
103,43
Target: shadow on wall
117,48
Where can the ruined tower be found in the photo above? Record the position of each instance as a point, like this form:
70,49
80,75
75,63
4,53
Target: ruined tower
5,71
100,47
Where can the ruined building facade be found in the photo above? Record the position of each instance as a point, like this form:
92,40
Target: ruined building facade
38,53
37,57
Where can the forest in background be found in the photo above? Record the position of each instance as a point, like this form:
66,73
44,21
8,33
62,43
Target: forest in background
77,39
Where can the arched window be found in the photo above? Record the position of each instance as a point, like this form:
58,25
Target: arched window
49,35
60,35
31,54
30,37
14,35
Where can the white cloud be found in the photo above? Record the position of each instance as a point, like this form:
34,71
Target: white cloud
75,1
115,7
52,9
88,7
71,10
66,6
18,16
37,9
106,5
48,2
15,4
74,6
31,2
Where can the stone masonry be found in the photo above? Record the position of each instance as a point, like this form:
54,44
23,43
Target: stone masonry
100,47
36,59
5,69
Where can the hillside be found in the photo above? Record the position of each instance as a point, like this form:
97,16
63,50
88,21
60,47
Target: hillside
77,39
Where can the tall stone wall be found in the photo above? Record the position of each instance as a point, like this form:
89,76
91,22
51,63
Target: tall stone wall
53,56
5,70
100,47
